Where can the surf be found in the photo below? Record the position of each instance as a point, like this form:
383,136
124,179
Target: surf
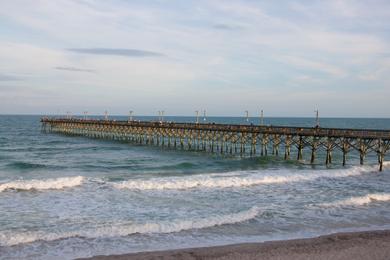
47,184
360,200
120,230
237,179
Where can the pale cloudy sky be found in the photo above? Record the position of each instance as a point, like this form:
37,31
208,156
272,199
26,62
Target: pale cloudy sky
286,57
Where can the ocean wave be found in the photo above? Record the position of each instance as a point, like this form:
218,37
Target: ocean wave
48,184
236,179
183,165
360,200
9,239
182,183
26,165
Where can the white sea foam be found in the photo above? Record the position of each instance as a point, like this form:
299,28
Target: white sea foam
201,182
386,163
236,179
55,184
9,239
360,200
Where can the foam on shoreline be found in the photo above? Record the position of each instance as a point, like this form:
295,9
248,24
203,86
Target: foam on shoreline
48,184
360,200
237,179
14,238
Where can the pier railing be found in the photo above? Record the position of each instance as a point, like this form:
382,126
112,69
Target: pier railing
232,138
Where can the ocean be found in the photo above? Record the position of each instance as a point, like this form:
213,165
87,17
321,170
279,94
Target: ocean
66,197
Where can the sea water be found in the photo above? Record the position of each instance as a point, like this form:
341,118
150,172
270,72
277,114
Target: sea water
66,197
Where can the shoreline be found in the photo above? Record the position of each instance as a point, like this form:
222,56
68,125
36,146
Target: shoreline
345,245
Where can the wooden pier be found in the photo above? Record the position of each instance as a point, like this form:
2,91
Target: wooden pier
244,140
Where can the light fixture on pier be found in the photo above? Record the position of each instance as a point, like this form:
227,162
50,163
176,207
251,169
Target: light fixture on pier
247,116
106,115
197,116
317,118
130,116
204,115
261,117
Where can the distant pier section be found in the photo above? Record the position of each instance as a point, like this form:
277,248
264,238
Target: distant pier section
243,140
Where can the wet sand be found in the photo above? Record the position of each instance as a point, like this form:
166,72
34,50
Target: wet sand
354,245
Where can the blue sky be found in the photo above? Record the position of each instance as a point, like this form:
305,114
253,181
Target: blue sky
285,57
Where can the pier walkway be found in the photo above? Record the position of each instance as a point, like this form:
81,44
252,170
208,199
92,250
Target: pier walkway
252,140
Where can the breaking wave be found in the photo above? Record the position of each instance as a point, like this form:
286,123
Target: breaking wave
236,179
9,239
48,184
360,200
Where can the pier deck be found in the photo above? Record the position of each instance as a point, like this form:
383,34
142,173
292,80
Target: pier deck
253,140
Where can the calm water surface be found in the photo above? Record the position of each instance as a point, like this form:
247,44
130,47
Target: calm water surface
65,197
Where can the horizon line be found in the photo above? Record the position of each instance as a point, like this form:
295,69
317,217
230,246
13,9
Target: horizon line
193,116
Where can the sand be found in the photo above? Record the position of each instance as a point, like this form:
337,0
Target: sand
355,245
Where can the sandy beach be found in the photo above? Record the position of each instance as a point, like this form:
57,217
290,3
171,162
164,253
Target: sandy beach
354,245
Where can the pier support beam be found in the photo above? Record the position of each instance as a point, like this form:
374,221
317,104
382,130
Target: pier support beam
381,154
363,149
287,147
314,147
275,145
300,148
330,144
345,149
328,157
253,144
264,144
381,158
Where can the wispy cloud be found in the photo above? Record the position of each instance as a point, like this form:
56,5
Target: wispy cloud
226,27
117,52
6,77
313,65
74,69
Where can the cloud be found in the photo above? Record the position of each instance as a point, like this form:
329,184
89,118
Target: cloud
225,27
117,52
380,72
151,51
6,77
22,58
309,64
74,69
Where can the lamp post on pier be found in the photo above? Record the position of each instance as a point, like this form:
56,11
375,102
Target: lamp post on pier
317,119
247,116
197,116
106,115
204,115
161,116
130,116
261,117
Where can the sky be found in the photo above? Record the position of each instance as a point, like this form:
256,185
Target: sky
287,58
